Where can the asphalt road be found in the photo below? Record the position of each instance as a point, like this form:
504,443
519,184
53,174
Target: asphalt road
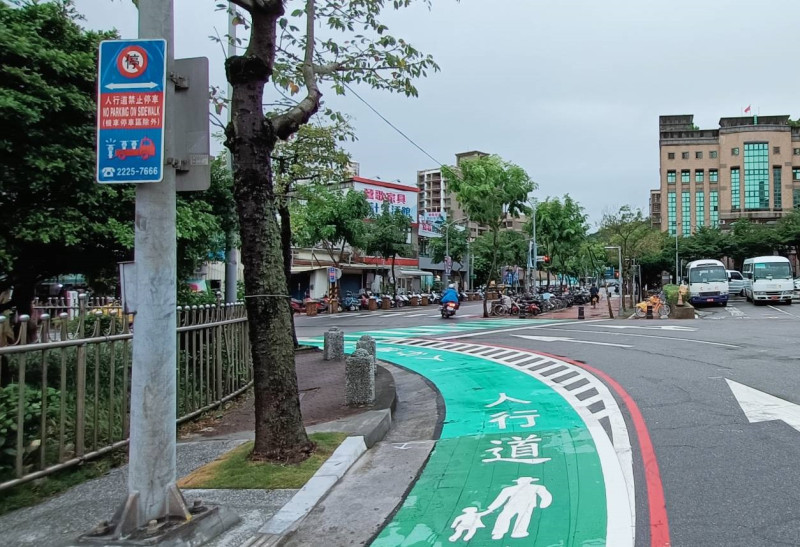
726,481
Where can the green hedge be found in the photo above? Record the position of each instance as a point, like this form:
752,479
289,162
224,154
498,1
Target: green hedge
671,292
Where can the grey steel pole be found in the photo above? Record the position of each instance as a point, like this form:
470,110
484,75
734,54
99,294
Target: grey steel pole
677,268
231,253
535,254
151,471
446,276
621,292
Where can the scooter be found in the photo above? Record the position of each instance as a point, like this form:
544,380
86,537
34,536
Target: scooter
351,303
297,306
448,309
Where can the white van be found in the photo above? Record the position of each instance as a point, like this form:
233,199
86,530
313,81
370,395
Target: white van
707,281
768,279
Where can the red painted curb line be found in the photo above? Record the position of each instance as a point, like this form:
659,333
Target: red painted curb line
659,525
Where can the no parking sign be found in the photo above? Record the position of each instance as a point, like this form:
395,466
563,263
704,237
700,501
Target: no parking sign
130,111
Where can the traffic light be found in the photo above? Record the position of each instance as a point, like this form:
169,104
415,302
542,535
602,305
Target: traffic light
546,259
616,275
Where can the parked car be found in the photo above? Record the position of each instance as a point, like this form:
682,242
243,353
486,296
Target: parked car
735,283
797,284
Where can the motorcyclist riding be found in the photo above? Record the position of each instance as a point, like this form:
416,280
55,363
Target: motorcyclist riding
450,295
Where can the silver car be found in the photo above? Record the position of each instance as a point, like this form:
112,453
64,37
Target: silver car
735,283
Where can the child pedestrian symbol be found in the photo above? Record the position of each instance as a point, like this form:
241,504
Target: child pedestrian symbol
468,522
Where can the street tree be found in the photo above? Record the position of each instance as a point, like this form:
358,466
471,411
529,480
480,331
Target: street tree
330,217
751,239
388,236
560,230
285,50
490,190
512,249
788,231
706,242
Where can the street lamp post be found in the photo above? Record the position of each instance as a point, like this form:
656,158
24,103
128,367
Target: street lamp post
532,250
619,257
677,264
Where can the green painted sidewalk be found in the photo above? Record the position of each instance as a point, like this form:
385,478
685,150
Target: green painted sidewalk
515,465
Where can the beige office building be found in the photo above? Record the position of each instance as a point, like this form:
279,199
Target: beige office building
748,168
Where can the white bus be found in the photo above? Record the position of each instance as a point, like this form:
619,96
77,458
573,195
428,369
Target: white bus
707,281
768,279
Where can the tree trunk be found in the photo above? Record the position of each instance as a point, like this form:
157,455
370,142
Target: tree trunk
286,246
491,273
279,431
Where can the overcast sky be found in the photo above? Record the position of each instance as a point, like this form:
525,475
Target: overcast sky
569,90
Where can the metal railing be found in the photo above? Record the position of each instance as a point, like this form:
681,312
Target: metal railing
65,392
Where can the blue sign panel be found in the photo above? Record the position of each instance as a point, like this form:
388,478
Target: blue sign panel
130,111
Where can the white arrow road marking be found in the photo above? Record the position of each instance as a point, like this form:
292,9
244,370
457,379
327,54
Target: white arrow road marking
564,339
133,85
655,327
762,407
659,337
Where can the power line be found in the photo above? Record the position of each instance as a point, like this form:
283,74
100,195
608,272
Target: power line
381,116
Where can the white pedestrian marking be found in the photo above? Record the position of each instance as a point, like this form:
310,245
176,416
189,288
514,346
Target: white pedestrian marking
762,407
572,340
735,312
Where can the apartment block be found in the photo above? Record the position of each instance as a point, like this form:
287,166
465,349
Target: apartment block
747,168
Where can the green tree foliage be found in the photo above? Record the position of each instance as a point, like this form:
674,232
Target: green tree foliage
788,230
705,243
490,190
512,250
54,218
560,230
388,236
750,239
331,218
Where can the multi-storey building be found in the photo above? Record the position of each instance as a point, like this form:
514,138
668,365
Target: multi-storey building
748,168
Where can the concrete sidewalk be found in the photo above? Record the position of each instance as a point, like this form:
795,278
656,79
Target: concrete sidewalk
418,415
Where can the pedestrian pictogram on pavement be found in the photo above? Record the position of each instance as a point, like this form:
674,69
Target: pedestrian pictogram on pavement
130,111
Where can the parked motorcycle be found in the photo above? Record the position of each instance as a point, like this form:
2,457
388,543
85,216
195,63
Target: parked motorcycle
448,310
350,302
298,306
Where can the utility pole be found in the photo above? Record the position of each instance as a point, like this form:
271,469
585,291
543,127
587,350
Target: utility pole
231,253
151,471
446,276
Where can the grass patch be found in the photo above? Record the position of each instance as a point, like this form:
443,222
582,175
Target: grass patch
38,490
234,470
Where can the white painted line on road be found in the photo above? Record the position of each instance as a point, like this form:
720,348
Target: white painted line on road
661,327
497,331
417,315
784,312
552,327
571,340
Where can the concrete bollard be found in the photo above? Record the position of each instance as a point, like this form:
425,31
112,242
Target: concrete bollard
334,345
367,343
359,378
580,313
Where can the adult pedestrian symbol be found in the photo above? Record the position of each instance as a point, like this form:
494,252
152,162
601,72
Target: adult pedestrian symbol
130,111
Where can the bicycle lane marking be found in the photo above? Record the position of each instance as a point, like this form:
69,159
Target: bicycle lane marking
557,445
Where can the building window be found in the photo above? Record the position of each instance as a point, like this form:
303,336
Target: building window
670,177
734,151
735,189
756,175
713,175
796,151
699,209
685,155
671,155
686,214
671,213
776,187
796,198
775,149
698,175
713,208
698,155
712,154
685,176
795,173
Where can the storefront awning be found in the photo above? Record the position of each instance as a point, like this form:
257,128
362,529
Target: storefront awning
301,269
412,273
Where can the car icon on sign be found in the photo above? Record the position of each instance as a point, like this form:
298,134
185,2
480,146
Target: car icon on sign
145,150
